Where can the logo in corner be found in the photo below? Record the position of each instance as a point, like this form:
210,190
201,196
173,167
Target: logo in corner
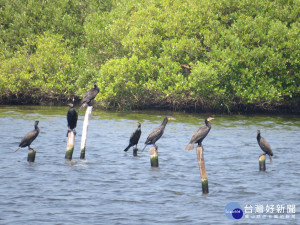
233,211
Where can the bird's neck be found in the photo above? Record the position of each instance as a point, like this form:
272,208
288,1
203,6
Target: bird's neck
258,137
207,123
164,123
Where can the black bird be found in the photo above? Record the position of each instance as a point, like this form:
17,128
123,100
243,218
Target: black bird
72,117
88,98
135,137
29,137
157,132
199,134
264,145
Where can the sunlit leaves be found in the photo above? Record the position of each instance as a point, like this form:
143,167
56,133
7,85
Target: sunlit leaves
153,52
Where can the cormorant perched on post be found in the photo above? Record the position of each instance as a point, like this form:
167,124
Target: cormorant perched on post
29,137
264,145
88,98
72,117
199,134
157,132
135,137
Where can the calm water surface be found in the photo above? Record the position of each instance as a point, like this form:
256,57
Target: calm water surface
113,187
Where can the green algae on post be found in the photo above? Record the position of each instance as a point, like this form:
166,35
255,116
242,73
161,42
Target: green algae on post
70,145
154,156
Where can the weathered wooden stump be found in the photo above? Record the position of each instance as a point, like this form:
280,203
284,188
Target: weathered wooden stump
135,150
201,163
84,131
70,145
262,162
31,155
154,156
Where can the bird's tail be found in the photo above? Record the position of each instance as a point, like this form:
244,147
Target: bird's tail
17,149
144,148
84,105
126,149
190,146
270,159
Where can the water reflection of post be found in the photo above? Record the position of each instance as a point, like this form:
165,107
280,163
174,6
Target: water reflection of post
31,155
154,156
201,163
262,162
84,131
70,145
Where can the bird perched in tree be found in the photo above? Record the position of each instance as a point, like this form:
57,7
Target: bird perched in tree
157,132
199,134
29,137
88,98
135,137
72,117
264,145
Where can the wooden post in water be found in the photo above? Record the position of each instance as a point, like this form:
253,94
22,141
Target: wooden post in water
85,130
31,155
70,145
135,150
154,156
262,162
201,163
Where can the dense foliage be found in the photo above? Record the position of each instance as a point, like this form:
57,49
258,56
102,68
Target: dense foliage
204,55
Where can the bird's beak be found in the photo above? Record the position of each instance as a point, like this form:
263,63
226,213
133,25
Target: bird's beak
171,118
210,118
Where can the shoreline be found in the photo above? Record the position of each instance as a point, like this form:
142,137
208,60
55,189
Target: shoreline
241,109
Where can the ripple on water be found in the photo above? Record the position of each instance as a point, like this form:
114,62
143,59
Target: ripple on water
113,187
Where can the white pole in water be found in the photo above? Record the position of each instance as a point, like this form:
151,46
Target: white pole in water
85,130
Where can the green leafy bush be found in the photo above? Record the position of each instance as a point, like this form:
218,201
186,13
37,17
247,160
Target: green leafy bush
47,72
210,55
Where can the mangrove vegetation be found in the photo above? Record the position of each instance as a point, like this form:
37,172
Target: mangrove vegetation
210,55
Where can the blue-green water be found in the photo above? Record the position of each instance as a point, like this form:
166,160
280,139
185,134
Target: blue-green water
113,187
